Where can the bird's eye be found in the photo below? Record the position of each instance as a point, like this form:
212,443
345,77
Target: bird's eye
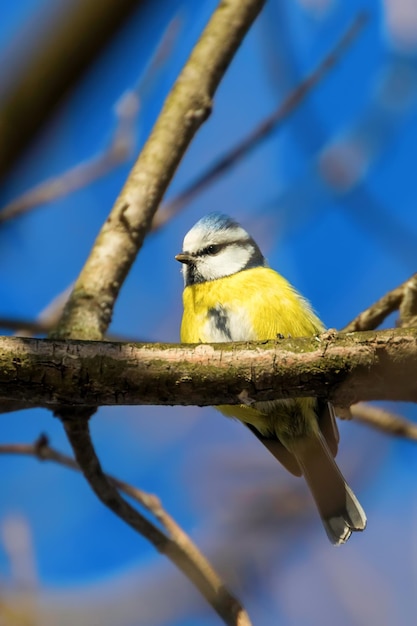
213,249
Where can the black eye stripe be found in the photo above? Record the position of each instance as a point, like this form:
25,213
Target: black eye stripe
214,249
211,250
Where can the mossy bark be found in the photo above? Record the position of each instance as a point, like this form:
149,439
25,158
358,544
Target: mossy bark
345,368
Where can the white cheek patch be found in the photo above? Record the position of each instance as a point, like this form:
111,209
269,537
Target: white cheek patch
229,261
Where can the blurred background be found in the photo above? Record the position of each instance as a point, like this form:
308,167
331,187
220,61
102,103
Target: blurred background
330,195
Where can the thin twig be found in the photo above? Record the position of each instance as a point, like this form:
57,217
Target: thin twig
177,545
75,178
372,317
385,421
263,130
203,577
45,321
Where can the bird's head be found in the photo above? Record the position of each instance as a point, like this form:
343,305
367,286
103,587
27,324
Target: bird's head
216,247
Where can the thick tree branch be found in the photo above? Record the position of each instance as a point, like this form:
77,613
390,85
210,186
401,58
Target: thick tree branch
345,368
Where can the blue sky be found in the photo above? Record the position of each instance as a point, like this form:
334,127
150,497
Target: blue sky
343,237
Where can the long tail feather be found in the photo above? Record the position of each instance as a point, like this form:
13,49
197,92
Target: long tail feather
338,507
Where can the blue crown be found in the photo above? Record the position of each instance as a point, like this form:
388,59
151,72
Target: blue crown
216,221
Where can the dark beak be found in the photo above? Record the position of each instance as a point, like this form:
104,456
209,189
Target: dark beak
184,258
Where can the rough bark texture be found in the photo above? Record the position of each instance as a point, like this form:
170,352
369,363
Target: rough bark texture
345,368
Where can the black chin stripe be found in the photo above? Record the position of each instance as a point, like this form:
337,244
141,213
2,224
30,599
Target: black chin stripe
192,275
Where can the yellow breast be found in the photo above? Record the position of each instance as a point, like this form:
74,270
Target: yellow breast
253,304
259,303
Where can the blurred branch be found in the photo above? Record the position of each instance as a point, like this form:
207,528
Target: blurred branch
17,543
77,177
120,148
264,130
177,545
372,317
50,64
121,143
385,421
45,322
344,368
344,162
32,327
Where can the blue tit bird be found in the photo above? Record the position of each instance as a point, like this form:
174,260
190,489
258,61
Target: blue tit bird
231,294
